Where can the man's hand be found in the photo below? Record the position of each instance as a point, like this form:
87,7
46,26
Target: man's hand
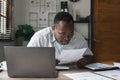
85,60
57,61
81,62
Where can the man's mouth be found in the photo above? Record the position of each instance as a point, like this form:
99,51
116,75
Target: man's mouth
65,42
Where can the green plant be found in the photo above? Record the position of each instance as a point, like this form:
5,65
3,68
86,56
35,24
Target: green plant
26,31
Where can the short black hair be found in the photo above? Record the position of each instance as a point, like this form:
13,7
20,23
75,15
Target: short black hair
63,16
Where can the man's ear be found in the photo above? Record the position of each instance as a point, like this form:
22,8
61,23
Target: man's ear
53,27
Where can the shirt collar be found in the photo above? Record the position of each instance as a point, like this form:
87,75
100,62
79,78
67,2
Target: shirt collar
52,35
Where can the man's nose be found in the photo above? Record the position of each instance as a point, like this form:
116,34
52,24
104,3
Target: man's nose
67,37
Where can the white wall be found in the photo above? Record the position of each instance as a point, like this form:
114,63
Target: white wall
82,8
19,12
20,17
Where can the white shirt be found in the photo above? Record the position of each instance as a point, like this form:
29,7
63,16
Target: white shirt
46,38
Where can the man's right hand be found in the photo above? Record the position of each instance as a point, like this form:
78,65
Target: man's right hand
57,61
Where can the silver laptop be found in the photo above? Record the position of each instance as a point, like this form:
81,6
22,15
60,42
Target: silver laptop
34,62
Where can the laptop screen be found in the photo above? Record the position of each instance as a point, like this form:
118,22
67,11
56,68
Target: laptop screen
30,61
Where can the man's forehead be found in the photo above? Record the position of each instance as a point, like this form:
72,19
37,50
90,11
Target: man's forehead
64,26
65,30
65,23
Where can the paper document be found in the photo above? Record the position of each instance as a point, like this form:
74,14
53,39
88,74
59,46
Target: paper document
62,67
86,76
117,64
115,74
3,65
71,55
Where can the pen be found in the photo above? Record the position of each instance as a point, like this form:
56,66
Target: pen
1,70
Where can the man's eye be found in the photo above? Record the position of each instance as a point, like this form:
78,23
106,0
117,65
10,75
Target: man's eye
62,33
71,34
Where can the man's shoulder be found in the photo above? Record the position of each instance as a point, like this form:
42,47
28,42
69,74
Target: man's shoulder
45,31
78,36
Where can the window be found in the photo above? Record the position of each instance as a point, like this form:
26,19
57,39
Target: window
5,19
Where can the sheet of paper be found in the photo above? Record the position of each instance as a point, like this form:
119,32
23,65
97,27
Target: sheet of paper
71,55
117,64
86,76
3,65
115,74
62,67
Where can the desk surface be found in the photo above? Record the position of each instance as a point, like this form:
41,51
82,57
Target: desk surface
4,76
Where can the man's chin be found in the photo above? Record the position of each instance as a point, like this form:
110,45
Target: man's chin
64,43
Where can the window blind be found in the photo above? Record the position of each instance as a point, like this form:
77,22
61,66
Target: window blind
5,22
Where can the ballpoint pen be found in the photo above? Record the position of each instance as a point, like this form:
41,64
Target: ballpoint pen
1,70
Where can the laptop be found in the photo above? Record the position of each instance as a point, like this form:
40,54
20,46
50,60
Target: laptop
30,62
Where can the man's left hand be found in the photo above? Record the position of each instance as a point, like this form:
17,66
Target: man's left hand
85,60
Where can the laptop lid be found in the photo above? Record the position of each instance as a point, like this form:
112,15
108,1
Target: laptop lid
30,61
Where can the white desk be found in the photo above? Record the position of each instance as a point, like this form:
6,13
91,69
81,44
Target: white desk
4,76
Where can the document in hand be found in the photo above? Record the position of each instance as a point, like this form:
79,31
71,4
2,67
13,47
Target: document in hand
71,55
117,64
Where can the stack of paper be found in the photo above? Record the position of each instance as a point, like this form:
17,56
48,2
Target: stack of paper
115,74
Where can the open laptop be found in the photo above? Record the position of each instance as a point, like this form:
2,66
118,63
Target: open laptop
34,62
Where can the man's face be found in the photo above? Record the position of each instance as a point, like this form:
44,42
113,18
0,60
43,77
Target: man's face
63,32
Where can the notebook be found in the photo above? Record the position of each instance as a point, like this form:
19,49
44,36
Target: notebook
100,66
30,62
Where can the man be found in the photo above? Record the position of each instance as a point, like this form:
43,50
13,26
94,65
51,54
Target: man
61,36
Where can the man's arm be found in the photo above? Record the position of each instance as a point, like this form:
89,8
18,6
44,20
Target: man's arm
85,60
35,41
